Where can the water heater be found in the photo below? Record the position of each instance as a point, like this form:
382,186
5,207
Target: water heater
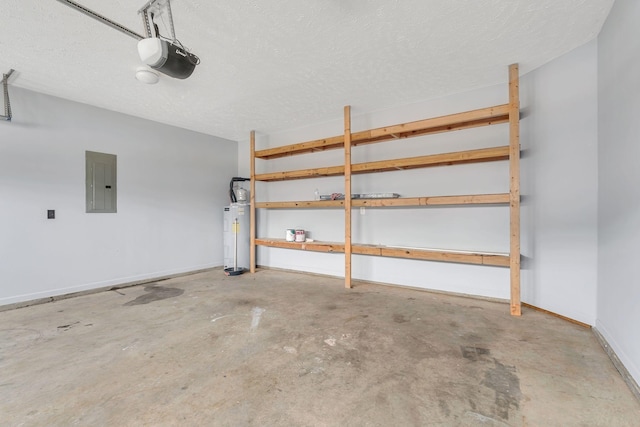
239,214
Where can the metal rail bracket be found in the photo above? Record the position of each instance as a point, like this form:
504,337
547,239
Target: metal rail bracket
7,103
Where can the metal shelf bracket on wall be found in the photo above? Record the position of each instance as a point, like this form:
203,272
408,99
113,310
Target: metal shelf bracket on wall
5,89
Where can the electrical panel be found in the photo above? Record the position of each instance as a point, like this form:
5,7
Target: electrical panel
101,182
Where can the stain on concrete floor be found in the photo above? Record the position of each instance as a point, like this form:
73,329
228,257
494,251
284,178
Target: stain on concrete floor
474,353
155,293
506,385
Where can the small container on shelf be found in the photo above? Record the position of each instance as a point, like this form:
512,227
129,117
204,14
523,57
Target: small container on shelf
290,235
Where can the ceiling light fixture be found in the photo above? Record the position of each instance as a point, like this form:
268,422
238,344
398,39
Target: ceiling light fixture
147,75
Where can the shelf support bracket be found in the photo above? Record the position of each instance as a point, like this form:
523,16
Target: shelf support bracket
5,89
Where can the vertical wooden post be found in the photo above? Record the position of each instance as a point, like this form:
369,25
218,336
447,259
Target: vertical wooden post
514,187
252,209
347,196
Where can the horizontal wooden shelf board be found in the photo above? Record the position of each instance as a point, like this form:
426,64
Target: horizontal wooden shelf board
302,204
302,148
469,199
443,159
300,174
475,199
443,255
378,203
304,246
466,120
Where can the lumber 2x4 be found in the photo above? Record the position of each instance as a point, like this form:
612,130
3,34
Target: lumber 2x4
469,199
443,159
514,188
472,199
458,121
462,257
302,246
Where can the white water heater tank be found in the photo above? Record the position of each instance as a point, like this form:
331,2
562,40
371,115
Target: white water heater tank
241,215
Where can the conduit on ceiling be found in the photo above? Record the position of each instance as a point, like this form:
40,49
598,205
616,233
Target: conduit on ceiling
7,102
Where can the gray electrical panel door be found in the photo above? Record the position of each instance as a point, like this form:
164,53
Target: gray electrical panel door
236,238
101,182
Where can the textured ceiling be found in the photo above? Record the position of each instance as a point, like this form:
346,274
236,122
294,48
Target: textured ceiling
273,65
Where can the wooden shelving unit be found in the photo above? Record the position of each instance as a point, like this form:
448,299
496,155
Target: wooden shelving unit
506,113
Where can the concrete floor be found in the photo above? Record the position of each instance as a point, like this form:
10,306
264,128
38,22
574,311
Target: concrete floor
289,349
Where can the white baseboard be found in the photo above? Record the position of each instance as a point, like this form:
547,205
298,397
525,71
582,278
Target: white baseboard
612,352
90,288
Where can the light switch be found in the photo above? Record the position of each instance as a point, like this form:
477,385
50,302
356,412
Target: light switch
51,214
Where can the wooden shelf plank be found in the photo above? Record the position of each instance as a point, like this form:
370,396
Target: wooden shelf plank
306,246
302,148
301,204
300,174
443,159
361,249
464,257
465,120
472,199
379,203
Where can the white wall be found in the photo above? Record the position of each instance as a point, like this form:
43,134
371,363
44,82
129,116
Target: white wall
619,197
560,183
172,184
559,179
